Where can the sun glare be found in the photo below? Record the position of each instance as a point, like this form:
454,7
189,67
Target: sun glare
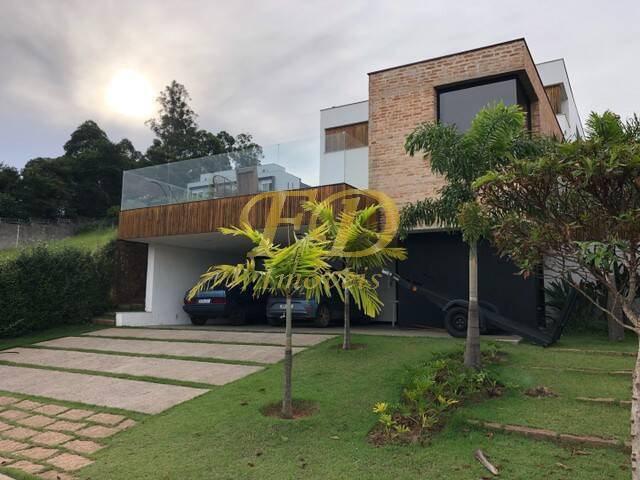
130,93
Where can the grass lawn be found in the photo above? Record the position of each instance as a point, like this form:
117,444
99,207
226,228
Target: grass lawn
223,434
86,241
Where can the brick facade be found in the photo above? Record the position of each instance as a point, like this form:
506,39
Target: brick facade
401,98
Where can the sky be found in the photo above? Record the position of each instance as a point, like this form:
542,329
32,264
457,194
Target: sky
268,67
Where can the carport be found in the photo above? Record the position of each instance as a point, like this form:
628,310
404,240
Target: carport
174,264
171,245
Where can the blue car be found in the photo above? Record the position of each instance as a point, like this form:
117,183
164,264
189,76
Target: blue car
220,302
321,314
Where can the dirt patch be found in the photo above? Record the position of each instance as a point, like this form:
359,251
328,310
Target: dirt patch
540,392
301,409
354,346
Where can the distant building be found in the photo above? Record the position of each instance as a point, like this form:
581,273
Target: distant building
271,177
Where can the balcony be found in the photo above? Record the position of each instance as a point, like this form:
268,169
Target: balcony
203,194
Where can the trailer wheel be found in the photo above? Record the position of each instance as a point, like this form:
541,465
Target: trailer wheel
455,321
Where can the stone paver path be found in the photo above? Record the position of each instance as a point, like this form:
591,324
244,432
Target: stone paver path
246,353
55,441
184,370
55,455
145,397
299,340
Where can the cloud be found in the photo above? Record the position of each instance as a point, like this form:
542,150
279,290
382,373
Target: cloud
268,67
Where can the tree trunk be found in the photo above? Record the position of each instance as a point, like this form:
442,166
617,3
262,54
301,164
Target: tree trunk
616,330
472,357
346,341
287,407
635,420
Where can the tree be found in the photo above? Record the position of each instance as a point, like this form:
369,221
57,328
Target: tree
86,181
243,151
95,165
10,205
577,208
175,128
352,235
495,135
178,136
44,189
304,266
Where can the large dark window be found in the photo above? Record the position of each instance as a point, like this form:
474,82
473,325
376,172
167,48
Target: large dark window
458,106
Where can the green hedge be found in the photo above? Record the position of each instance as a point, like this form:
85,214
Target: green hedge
43,288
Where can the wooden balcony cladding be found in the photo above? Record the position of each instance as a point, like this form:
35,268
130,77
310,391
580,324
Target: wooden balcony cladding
346,137
206,216
555,94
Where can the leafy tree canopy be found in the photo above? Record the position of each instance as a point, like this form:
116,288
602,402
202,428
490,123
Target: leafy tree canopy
178,136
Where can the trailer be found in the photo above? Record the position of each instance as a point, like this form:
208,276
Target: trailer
456,314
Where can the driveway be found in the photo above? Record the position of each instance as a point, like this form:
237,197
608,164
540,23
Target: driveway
137,369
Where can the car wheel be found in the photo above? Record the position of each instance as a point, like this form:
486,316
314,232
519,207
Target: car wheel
455,321
238,316
198,320
323,317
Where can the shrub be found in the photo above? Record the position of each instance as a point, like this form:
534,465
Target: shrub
429,394
42,288
586,317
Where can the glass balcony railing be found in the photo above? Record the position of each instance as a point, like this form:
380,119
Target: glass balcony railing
284,166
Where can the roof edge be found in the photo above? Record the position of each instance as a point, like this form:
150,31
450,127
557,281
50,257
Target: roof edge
521,39
344,105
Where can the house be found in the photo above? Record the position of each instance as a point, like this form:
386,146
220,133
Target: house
360,145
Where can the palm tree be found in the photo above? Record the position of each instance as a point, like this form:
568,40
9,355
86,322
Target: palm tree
355,242
496,134
304,267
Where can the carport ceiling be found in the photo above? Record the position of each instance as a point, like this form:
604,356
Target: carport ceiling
214,241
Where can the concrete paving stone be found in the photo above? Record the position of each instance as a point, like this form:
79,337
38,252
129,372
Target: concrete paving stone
183,370
65,426
5,400
106,418
144,397
55,475
51,409
27,466
36,421
83,446
19,433
5,426
5,461
14,414
76,414
39,453
51,438
69,462
128,423
8,446
300,340
27,405
248,353
97,431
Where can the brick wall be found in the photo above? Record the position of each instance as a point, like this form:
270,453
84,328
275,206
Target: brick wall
402,97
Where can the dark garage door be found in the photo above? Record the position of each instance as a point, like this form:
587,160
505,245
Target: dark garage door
439,261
